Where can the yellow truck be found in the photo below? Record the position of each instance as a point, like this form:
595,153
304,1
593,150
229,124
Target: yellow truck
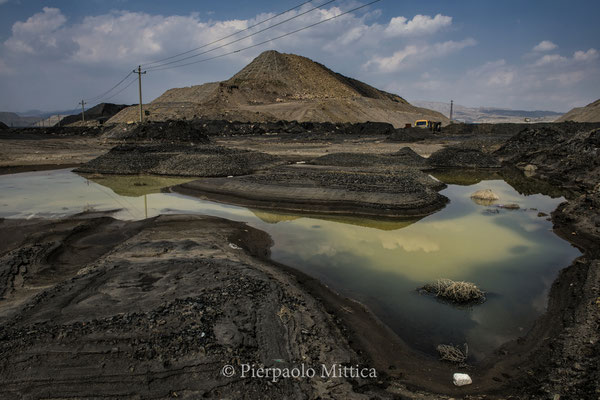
434,126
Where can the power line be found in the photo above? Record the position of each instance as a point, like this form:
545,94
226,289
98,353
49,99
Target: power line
242,38
92,99
228,36
115,94
101,96
269,40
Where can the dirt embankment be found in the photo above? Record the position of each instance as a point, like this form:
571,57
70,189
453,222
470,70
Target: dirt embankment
377,191
157,308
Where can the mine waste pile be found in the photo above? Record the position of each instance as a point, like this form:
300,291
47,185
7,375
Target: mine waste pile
277,86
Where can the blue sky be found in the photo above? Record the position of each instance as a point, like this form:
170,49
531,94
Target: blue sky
514,54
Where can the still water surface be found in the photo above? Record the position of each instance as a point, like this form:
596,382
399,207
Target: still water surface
513,255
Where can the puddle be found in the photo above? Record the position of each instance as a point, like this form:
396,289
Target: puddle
511,254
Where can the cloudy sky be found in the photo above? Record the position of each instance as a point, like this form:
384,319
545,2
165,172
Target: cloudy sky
514,54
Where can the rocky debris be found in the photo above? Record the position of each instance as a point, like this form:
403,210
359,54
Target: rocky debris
484,197
390,191
567,157
459,157
178,160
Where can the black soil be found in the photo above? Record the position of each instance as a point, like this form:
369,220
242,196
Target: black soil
178,159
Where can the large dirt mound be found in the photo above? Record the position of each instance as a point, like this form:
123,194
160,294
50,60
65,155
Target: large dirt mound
288,87
559,155
178,160
3,126
589,113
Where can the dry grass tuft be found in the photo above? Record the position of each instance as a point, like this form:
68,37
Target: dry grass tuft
457,292
453,353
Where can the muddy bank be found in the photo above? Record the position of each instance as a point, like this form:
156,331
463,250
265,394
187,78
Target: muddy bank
157,308
178,160
33,150
375,191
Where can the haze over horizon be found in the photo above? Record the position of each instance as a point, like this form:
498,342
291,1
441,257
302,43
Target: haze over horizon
530,56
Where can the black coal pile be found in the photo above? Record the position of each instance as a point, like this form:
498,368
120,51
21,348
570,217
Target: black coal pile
197,131
172,131
558,155
178,160
409,135
462,157
100,112
408,156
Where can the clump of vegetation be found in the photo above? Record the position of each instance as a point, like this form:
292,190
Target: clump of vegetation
452,353
456,292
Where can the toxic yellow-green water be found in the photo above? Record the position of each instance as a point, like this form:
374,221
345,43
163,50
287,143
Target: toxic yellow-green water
512,255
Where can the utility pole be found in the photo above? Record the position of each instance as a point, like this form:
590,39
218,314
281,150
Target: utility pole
139,72
83,103
451,109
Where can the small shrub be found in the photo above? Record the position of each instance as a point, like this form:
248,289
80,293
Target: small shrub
452,353
457,292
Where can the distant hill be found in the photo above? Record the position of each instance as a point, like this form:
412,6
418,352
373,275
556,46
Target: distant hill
488,114
589,113
14,119
276,86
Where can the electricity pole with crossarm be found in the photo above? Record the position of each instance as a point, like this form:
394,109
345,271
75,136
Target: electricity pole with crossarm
139,72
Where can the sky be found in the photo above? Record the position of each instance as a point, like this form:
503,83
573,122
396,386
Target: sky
531,55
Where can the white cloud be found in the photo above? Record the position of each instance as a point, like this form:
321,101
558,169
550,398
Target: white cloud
545,45
412,54
419,25
591,54
38,33
85,57
550,59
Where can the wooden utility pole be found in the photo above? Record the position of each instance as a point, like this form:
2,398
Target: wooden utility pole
83,103
139,72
